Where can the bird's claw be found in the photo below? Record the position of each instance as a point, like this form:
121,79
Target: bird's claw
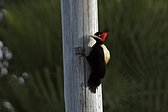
80,51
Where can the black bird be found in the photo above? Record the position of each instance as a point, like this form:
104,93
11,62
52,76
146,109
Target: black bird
98,59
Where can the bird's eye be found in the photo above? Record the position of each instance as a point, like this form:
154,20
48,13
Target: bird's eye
99,35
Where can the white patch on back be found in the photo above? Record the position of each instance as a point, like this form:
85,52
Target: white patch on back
106,53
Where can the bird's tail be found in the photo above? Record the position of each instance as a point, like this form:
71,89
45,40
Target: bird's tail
93,82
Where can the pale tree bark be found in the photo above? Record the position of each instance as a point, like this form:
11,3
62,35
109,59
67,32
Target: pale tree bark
79,19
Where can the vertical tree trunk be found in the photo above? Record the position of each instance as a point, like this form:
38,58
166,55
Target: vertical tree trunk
79,19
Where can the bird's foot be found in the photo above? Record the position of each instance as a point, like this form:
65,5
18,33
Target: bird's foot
80,51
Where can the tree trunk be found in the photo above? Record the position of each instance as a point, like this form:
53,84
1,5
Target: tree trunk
79,19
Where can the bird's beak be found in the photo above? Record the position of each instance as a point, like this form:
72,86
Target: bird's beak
95,36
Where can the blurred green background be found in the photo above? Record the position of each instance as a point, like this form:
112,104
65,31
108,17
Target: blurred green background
137,75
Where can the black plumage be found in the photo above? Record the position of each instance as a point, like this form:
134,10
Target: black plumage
98,66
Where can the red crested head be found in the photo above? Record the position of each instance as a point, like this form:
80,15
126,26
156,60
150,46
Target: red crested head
104,36
100,37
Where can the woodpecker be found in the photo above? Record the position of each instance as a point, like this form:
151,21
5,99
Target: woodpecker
98,58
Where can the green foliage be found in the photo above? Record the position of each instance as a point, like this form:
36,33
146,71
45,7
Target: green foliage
33,34
32,31
138,36
41,92
138,45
